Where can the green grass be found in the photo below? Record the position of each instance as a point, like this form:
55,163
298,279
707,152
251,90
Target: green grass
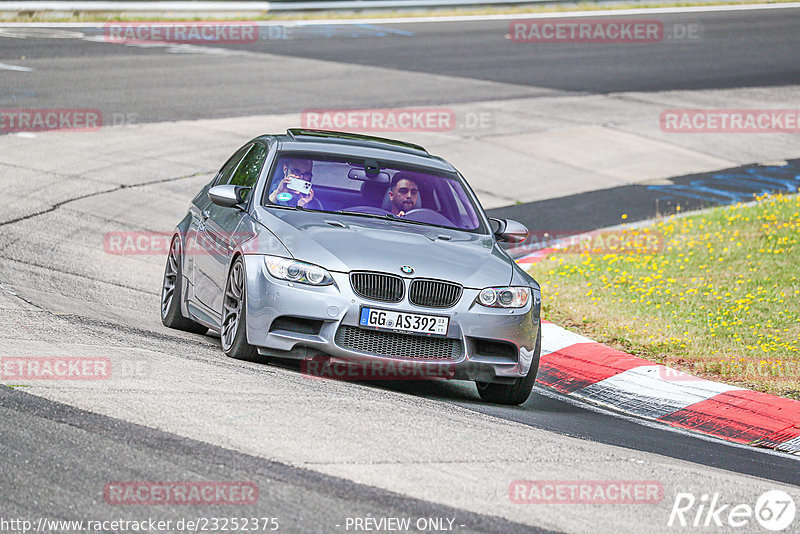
720,299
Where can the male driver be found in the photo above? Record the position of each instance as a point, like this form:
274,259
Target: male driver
403,193
284,195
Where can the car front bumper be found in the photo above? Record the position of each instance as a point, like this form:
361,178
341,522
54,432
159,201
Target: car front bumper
311,322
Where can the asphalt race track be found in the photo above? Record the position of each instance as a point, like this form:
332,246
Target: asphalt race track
158,87
320,452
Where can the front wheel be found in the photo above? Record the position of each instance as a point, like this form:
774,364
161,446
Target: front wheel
234,316
518,391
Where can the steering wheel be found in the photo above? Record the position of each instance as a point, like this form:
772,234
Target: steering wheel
429,216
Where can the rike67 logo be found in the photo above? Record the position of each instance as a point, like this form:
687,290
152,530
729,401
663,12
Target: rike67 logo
774,510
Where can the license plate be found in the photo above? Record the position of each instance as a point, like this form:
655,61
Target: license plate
400,321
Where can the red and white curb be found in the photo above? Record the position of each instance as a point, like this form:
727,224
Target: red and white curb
595,373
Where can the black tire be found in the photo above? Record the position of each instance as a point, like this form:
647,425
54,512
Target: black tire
171,290
517,392
233,332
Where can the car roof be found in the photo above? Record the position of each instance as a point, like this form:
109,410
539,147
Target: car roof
350,144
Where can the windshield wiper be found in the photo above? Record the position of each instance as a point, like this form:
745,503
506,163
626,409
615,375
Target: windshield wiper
299,208
391,216
358,213
388,215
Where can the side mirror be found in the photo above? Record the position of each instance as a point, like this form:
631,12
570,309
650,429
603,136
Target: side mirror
508,230
228,196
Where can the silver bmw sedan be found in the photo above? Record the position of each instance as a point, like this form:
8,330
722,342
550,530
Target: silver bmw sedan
355,252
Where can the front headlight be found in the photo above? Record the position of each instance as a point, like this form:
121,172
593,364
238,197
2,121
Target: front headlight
297,271
504,297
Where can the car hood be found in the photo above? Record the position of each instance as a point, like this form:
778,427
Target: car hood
350,243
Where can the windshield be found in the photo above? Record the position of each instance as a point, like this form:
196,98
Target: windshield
372,188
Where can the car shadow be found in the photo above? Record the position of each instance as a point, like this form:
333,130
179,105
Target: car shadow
460,392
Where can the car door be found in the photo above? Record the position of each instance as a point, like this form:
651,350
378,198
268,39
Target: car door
217,232
197,235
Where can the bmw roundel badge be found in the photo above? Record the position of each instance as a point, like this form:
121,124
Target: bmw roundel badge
407,269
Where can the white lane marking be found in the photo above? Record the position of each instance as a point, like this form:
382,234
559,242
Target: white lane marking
468,18
792,446
38,33
644,391
3,66
117,5
43,33
556,338
596,408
